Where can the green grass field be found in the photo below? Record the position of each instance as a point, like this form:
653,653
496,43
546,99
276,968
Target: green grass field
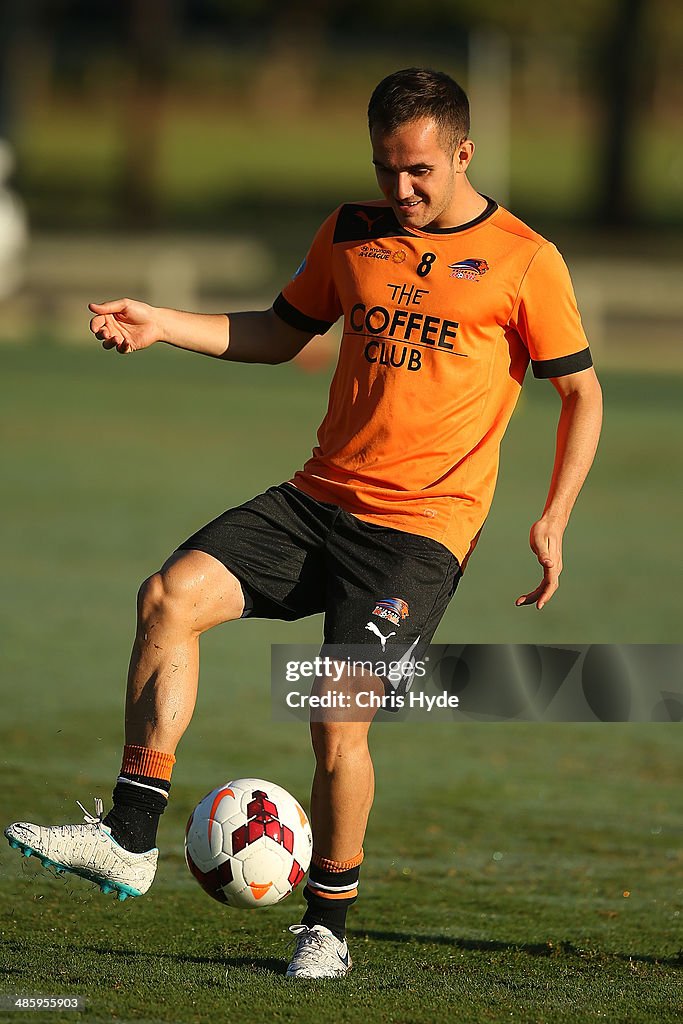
514,872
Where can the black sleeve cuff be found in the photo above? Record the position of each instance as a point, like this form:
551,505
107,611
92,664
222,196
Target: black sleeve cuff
545,368
295,318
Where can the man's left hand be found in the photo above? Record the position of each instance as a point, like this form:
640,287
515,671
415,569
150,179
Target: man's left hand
546,543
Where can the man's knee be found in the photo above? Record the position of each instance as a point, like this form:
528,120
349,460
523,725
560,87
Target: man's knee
191,592
153,599
333,741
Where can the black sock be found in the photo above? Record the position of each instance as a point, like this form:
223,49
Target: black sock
139,802
329,894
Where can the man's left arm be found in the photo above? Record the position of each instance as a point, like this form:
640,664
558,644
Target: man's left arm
578,432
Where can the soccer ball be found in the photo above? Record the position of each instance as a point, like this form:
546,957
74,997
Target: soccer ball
248,843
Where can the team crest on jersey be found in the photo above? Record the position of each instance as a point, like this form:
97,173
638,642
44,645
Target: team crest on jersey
399,256
468,270
395,609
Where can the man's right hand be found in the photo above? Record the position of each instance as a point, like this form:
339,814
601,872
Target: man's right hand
124,324
255,336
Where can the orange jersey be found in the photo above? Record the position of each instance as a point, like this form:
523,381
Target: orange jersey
439,328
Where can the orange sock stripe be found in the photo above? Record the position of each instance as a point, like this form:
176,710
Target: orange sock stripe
335,895
144,761
336,865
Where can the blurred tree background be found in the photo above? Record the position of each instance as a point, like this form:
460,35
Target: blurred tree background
207,113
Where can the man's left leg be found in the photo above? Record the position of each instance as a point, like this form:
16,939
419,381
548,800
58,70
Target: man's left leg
341,798
386,593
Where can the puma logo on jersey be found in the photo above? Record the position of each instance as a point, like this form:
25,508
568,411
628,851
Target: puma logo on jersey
368,220
372,628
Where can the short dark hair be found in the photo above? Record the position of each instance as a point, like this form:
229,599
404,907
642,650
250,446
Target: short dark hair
416,93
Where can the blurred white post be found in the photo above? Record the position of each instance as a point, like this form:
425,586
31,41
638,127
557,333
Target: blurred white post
13,228
489,88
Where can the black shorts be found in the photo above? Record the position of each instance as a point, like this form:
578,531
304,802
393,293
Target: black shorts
295,556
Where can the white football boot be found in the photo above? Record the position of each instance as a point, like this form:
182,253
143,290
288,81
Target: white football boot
318,954
87,850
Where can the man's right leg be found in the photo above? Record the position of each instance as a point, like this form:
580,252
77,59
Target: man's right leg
191,593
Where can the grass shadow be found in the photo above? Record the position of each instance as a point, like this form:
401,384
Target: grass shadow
539,949
264,965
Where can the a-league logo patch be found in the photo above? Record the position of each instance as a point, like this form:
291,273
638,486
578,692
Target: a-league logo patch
394,609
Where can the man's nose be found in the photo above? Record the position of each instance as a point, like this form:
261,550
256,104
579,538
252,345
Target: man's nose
403,187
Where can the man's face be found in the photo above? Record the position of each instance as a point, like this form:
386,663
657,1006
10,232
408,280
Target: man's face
416,173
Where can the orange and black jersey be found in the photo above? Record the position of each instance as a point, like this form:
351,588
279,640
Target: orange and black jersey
439,328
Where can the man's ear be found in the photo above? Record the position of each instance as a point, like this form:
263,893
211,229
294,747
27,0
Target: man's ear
462,156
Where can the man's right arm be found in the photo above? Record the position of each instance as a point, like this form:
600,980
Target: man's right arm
257,336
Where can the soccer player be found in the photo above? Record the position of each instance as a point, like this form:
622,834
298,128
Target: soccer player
446,299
